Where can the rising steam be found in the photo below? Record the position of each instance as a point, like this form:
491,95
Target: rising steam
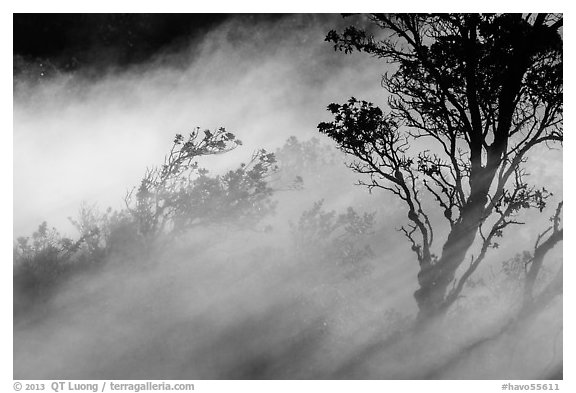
282,300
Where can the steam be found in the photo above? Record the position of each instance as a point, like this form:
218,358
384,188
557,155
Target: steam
221,303
71,132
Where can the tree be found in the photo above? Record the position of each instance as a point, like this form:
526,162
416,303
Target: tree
486,90
180,194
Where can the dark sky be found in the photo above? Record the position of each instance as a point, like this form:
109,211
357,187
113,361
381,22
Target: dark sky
72,41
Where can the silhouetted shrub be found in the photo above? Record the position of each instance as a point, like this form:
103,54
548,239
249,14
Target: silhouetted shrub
102,234
41,263
170,200
180,194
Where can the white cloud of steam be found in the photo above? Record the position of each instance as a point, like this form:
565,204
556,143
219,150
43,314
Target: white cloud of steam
221,304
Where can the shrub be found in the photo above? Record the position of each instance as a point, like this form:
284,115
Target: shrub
180,194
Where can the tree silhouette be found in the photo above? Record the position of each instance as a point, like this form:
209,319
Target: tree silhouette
180,195
486,90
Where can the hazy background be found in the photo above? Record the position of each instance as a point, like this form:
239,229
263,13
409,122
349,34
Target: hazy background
264,82
227,304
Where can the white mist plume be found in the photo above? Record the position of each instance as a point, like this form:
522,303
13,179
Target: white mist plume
220,303
71,134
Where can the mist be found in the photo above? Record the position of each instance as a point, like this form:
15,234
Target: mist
224,302
264,85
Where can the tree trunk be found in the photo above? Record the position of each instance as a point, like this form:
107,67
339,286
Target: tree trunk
435,279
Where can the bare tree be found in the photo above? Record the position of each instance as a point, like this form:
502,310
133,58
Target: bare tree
486,90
